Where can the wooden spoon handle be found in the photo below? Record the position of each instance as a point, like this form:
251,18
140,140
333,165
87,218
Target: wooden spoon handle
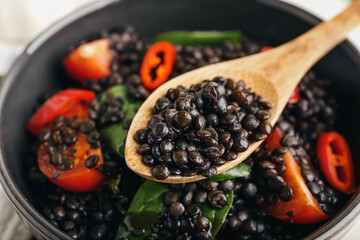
296,57
317,42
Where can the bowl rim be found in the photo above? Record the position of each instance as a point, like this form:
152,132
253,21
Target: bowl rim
337,224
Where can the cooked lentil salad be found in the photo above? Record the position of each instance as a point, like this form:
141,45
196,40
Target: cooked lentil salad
286,189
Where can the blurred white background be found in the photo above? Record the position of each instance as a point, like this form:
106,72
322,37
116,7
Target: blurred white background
22,20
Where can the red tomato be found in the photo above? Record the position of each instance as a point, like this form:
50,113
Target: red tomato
89,61
158,64
305,207
336,161
295,96
79,178
266,48
69,102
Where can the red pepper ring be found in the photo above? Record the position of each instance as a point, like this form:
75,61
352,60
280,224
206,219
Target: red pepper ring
336,162
159,61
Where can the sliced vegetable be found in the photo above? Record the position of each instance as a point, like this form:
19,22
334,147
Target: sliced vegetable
295,96
266,48
304,206
69,102
89,61
158,64
336,161
217,216
114,135
206,38
240,170
79,178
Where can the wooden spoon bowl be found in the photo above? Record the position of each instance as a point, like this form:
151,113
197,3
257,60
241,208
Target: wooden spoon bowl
272,74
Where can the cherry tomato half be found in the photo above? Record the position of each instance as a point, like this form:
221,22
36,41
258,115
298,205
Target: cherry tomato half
336,161
89,61
304,206
69,102
158,64
79,178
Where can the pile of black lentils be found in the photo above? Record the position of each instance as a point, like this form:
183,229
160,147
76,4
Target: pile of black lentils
194,130
83,216
97,215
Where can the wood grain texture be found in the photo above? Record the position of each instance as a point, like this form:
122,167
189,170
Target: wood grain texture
272,74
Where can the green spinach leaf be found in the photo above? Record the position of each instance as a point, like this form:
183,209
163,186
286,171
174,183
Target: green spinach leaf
205,38
217,216
114,135
146,205
240,170
123,233
149,198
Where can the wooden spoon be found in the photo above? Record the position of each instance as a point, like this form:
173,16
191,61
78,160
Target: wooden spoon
272,74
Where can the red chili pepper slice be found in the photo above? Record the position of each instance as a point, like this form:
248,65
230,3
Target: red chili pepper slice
79,178
336,162
89,61
158,64
69,102
295,96
304,206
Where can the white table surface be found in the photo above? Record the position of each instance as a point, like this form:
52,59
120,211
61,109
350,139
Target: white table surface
29,17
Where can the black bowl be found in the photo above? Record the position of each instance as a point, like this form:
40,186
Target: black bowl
38,70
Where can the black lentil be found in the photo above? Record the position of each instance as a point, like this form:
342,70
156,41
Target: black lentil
177,209
91,161
56,175
171,197
161,171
